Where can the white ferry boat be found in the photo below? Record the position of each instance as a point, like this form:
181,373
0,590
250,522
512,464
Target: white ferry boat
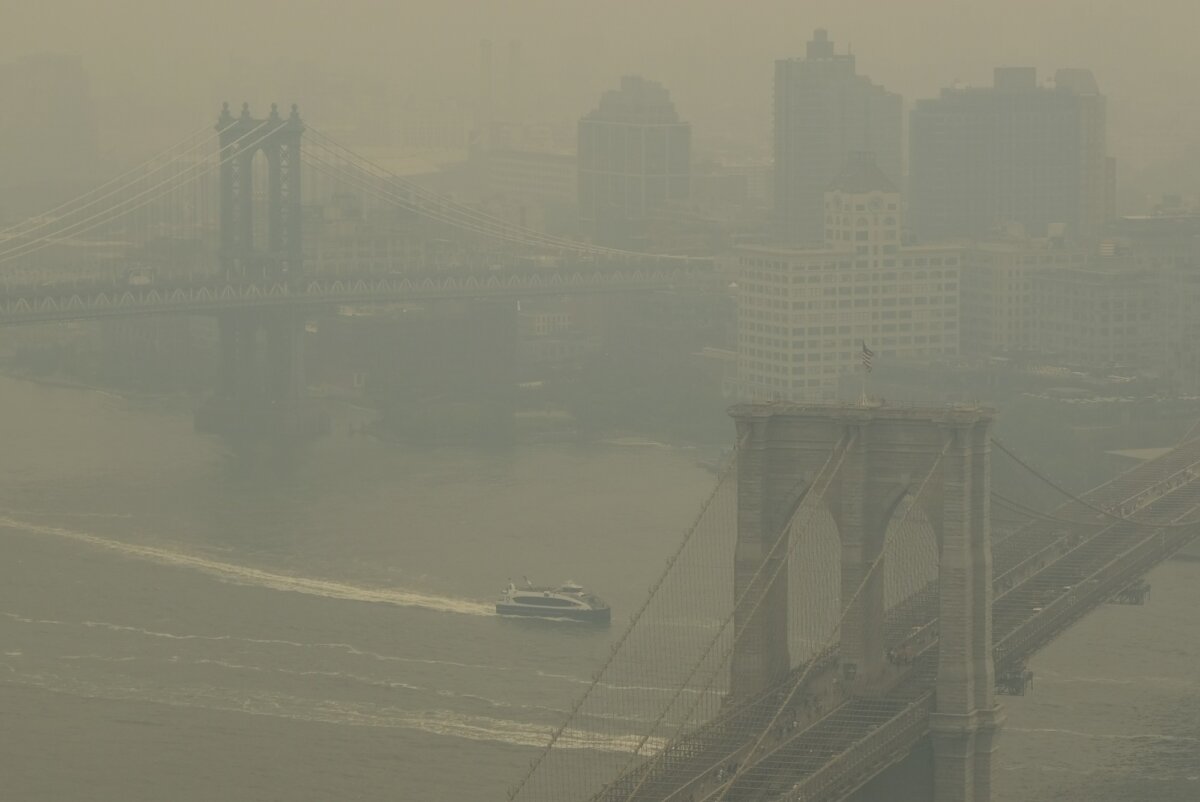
568,600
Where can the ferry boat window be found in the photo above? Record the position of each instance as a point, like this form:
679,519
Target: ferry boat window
546,601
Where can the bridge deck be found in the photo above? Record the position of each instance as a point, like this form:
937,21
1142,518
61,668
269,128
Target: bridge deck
83,300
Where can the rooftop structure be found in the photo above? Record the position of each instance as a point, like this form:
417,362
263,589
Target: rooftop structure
824,110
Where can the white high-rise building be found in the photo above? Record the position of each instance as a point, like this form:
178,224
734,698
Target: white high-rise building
804,315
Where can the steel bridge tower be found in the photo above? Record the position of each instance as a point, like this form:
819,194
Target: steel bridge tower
262,389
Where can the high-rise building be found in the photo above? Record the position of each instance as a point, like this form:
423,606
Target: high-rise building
634,155
1015,152
805,314
824,111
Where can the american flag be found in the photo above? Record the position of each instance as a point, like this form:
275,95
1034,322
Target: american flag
867,354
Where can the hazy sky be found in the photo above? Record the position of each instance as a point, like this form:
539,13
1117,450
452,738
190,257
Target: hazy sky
169,61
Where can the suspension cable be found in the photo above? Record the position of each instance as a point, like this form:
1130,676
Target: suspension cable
57,209
728,471
417,191
722,790
112,212
1030,512
825,474
390,195
468,216
1072,496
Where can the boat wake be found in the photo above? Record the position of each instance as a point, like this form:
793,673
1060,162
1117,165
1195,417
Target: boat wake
347,648
245,575
442,722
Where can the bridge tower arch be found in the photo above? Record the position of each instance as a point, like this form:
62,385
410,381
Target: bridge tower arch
881,454
242,138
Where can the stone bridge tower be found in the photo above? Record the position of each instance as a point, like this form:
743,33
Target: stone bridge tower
243,138
262,384
888,453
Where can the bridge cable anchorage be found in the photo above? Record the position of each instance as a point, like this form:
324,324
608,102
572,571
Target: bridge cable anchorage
1186,474
13,232
824,479
743,767
467,217
112,213
729,470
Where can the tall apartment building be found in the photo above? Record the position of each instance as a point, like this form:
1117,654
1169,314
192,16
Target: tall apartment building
981,158
634,154
804,314
824,111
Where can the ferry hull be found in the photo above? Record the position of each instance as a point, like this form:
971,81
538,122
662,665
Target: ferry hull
600,616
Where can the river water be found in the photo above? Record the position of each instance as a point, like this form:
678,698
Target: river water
176,624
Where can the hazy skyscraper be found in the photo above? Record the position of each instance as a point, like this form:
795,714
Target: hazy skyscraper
824,111
1012,152
634,154
48,130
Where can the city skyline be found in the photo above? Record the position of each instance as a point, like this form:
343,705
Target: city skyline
719,76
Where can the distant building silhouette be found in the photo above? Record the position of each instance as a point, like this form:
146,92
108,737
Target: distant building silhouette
634,155
1014,152
1001,285
824,110
48,123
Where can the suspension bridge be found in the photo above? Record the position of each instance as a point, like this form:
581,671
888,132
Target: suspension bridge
260,221
840,612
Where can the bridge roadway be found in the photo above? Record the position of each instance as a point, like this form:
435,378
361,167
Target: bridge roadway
1046,575
83,300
